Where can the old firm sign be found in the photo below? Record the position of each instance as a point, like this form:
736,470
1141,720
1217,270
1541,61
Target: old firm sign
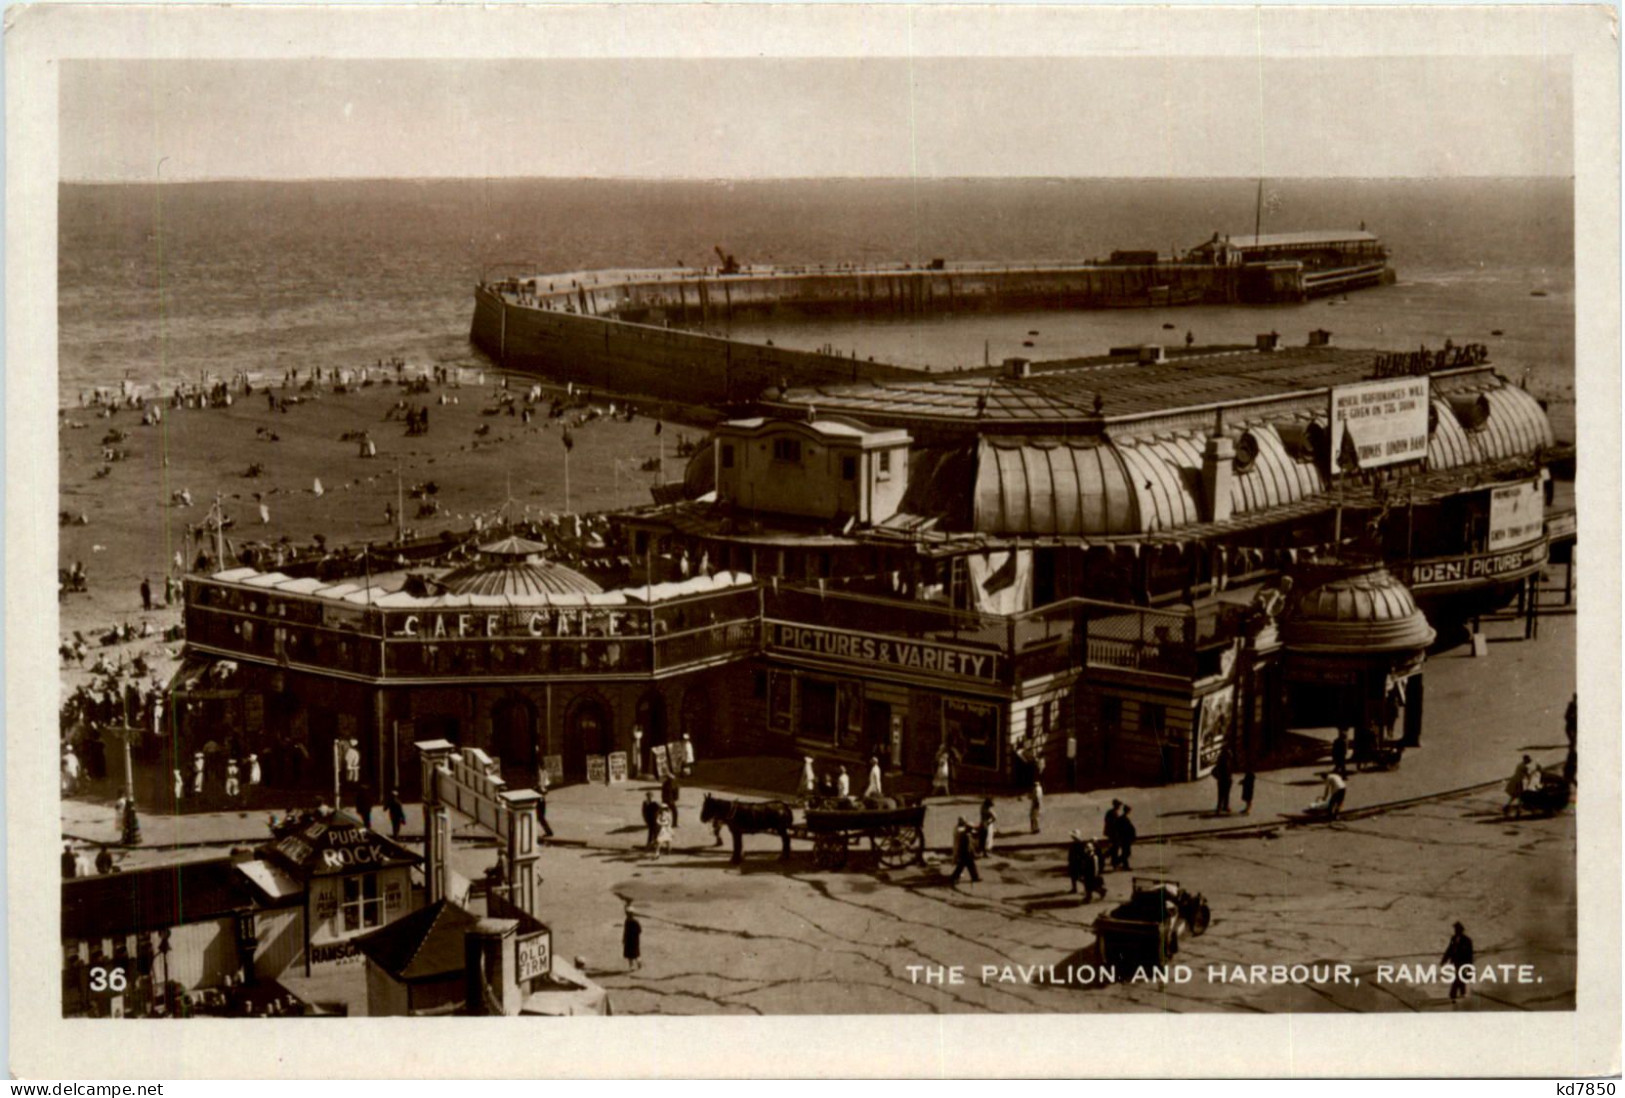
919,656
1517,514
1387,422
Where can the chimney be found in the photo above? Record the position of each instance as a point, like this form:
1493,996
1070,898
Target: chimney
1152,352
1218,473
491,986
1017,367
1320,337
1268,341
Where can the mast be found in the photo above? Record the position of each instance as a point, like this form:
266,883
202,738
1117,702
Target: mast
1258,215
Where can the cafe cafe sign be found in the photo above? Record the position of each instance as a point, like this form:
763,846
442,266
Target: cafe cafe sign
865,648
470,625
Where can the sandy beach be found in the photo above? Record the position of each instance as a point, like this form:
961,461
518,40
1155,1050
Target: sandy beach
135,525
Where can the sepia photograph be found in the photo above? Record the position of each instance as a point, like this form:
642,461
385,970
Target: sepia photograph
811,533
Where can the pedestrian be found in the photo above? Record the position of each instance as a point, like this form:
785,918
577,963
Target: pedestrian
987,828
146,593
632,940
1221,778
253,770
132,821
352,761
70,770
396,811
1248,781
1459,955
180,786
1035,805
873,790
70,862
637,751
1072,760
1126,834
843,784
1331,798
663,829
233,783
1076,854
197,774
670,791
651,819
1517,784
688,755
1109,828
104,861
1340,752
809,780
964,853
541,812
940,781
363,806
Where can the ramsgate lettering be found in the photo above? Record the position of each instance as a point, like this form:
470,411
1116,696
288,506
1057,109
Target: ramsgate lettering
859,648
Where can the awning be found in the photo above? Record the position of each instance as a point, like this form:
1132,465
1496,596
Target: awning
205,677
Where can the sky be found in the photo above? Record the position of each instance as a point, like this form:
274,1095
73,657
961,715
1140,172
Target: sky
746,118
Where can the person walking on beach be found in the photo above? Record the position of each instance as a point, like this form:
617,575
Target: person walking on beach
1221,777
1248,781
964,853
632,940
146,593
1458,953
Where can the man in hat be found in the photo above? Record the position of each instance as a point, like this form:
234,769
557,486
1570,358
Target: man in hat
396,811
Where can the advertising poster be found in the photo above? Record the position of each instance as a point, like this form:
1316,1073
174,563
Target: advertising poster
1378,423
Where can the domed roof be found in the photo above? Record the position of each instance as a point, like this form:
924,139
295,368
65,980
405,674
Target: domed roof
1353,608
512,566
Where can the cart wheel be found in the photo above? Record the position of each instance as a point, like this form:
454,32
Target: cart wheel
897,847
829,851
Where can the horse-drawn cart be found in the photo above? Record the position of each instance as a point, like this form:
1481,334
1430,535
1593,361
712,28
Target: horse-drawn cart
896,834
895,827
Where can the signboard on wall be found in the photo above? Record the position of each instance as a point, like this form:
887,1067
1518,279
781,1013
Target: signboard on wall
942,660
554,766
1214,715
1517,514
617,766
597,769
662,763
1442,571
533,955
1378,423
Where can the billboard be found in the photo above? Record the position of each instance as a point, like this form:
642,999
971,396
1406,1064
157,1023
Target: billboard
1378,423
1517,514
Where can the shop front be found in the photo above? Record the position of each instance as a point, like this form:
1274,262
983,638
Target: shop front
354,881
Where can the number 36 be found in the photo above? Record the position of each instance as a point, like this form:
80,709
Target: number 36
107,979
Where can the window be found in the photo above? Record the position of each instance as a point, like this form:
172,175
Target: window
787,449
363,905
849,468
728,457
883,465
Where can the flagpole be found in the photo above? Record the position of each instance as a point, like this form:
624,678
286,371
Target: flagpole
1258,218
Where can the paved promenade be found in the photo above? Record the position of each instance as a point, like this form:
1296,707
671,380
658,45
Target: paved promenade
1481,715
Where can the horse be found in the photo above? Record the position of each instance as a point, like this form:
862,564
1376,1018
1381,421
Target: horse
744,817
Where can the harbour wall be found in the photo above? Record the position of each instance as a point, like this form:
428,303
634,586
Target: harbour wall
628,330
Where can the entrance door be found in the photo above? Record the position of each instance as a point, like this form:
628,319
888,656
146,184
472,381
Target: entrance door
586,733
513,739
880,735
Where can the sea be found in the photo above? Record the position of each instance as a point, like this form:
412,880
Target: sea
184,281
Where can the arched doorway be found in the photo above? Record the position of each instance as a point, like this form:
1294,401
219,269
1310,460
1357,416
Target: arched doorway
513,739
587,731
